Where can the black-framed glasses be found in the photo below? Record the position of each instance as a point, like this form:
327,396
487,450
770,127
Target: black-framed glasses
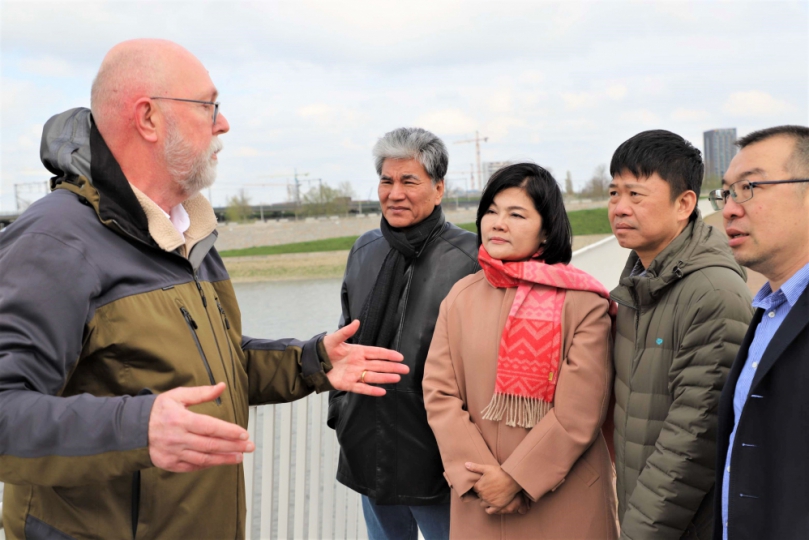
214,103
742,191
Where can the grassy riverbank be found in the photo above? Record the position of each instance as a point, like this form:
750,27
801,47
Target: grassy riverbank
314,265
583,223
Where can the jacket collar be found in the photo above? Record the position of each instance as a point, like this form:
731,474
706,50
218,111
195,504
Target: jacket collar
73,149
698,246
203,222
795,322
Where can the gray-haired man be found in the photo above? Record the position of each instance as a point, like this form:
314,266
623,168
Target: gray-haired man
395,280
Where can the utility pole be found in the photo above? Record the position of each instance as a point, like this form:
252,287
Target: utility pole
476,140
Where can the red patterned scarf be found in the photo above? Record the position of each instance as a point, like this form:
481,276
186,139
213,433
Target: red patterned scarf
531,344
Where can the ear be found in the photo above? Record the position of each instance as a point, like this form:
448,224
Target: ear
147,119
439,191
686,202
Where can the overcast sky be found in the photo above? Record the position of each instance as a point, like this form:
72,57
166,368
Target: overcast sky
312,85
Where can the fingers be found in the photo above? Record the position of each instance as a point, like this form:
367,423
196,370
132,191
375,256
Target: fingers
378,353
201,424
194,395
211,445
364,389
382,366
475,467
512,507
197,461
341,335
181,440
372,377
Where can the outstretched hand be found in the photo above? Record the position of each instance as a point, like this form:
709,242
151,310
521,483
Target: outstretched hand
356,367
183,441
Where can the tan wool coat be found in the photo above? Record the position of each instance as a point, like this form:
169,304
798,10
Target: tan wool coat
562,463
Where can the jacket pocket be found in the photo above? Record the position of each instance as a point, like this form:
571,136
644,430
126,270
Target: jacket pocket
39,530
585,471
192,326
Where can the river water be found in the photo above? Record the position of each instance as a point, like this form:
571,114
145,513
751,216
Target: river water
283,309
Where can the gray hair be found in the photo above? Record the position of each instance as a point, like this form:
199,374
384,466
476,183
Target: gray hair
413,143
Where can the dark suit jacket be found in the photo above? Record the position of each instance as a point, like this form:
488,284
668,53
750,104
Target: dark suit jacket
769,478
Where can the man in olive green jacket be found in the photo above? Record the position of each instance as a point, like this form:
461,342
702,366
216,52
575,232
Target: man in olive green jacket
683,308
124,377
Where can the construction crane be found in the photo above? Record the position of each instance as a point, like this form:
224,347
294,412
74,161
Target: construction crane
476,140
295,193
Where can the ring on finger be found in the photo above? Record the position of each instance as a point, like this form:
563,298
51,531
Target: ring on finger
362,377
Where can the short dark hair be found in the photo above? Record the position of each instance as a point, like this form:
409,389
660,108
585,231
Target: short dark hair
674,159
800,134
544,191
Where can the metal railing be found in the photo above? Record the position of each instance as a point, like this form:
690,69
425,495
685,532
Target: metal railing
290,479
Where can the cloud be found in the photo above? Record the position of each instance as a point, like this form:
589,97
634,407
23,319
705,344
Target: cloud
579,100
682,114
754,103
248,151
52,66
448,122
500,101
616,91
643,118
329,116
500,127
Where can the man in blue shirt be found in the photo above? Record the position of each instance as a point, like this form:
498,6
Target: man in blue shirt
763,437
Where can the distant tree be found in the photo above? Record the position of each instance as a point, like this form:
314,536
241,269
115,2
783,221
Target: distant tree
346,190
238,208
324,200
598,186
569,185
710,182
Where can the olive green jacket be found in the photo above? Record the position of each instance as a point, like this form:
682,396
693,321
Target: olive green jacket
103,306
678,329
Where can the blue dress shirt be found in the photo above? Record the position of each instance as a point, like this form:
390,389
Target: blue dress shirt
776,306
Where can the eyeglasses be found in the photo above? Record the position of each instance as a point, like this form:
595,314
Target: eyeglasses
214,103
742,191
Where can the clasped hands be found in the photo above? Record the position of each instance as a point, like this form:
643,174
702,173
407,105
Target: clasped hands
497,490
184,441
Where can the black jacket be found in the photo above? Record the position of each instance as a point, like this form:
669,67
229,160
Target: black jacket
387,450
769,478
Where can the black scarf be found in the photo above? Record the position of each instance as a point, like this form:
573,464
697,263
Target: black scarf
378,317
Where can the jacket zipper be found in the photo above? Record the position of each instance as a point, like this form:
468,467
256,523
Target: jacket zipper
226,326
192,326
433,235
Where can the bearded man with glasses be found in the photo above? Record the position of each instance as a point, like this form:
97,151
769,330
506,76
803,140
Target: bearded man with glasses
125,380
762,466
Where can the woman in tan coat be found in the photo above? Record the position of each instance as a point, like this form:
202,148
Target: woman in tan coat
518,377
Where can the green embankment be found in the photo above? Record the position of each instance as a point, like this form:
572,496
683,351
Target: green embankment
583,222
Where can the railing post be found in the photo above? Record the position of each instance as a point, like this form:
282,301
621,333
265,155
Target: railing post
315,462
285,464
267,470
249,473
302,411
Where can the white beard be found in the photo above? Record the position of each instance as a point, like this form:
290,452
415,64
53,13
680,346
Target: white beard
191,172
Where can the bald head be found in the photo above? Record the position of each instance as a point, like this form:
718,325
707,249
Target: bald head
132,70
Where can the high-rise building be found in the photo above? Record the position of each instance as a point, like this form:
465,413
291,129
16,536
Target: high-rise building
491,167
719,150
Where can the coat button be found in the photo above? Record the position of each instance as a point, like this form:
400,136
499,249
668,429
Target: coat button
771,314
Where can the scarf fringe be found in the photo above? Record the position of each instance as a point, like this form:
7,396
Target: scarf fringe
520,411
